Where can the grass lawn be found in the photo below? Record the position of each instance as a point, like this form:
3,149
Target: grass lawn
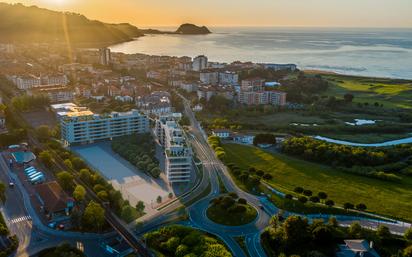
382,197
389,92
221,215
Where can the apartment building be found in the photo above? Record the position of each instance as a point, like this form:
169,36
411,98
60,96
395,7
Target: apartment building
199,63
178,162
277,98
81,126
228,78
26,82
210,77
253,84
56,93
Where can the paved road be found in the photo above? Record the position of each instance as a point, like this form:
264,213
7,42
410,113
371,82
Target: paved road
33,235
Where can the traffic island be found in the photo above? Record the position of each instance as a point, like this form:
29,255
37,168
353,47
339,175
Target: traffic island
230,210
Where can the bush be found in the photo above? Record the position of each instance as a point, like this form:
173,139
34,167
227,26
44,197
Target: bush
348,206
289,196
361,207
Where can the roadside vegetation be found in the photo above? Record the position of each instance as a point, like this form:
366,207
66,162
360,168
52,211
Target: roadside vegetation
287,173
140,150
386,163
11,242
63,250
295,236
231,210
177,240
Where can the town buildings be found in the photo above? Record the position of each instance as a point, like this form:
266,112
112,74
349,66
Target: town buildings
81,126
199,63
178,162
253,92
56,93
105,56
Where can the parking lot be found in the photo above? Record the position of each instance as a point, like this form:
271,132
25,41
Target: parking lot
134,185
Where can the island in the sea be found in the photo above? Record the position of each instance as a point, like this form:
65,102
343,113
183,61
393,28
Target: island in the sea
184,29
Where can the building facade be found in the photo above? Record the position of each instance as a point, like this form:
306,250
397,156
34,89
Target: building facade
199,63
178,162
83,126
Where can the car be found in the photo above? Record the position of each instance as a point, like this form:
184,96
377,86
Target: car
52,224
61,226
11,184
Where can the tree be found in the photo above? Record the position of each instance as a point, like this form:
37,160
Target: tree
355,230
307,192
330,203
361,207
103,195
289,196
333,222
314,199
296,232
79,193
78,163
43,133
65,180
68,164
128,213
140,207
2,192
46,158
383,232
85,175
303,199
322,195
407,252
159,199
93,216
348,206
264,139
408,234
298,190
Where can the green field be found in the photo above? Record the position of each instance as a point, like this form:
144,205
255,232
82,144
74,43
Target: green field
382,197
389,92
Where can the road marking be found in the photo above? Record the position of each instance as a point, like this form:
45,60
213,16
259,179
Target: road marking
20,219
80,246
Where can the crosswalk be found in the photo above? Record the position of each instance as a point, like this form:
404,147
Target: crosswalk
20,219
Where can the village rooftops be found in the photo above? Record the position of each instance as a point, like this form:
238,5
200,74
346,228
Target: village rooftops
52,196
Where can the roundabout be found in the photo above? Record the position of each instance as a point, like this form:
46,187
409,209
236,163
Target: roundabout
230,210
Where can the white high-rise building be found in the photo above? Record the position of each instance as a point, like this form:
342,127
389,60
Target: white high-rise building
81,126
178,163
199,63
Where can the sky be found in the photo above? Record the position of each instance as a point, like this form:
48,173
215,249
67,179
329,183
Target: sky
299,13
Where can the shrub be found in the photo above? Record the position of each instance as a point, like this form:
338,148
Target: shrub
348,206
288,196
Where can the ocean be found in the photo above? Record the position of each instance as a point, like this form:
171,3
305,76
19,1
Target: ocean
365,52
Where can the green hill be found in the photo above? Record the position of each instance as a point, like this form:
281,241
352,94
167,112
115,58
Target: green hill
19,23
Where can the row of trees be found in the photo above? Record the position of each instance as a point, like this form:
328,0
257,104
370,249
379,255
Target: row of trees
26,102
379,163
179,241
264,139
140,151
295,236
251,177
216,144
93,180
